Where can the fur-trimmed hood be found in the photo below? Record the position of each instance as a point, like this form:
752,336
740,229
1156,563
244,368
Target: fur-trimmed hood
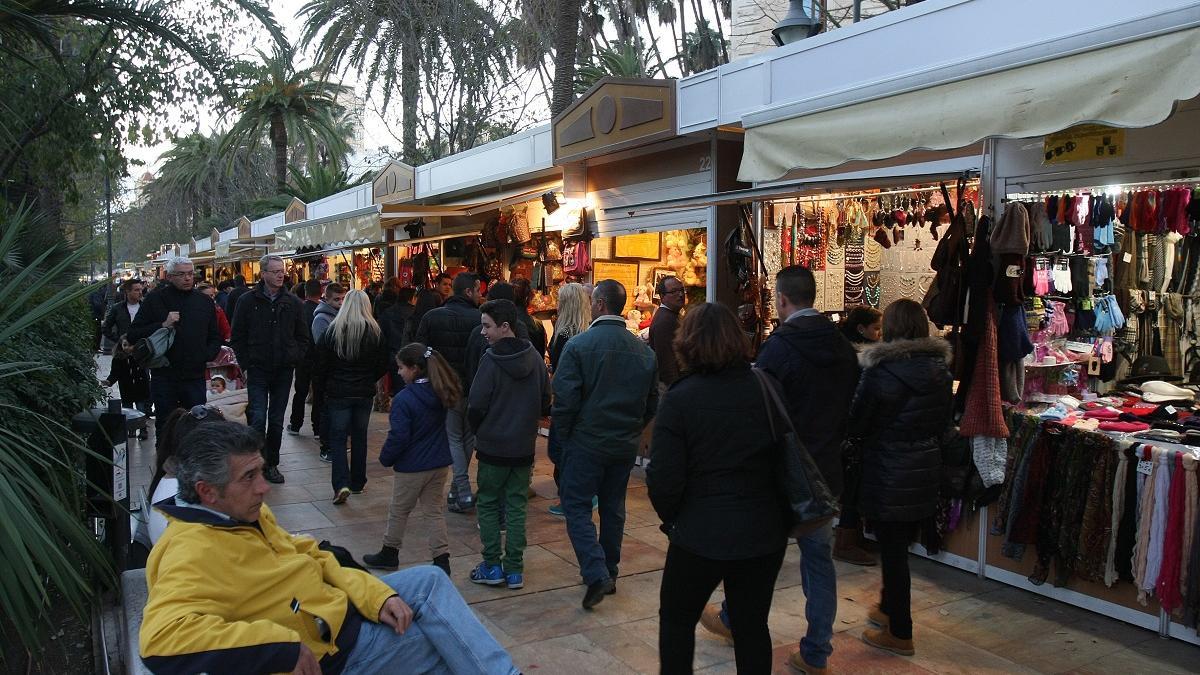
898,350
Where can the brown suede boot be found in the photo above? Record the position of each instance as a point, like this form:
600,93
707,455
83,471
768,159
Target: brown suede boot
846,549
710,618
798,664
877,617
882,638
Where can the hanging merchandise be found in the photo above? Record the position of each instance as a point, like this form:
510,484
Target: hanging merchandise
944,301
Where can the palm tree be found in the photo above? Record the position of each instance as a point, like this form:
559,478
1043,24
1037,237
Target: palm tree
385,42
621,60
285,103
566,45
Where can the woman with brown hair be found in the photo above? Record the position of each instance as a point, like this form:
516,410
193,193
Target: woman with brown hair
900,411
713,485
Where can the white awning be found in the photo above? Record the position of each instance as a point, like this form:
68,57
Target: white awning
1135,84
467,206
345,230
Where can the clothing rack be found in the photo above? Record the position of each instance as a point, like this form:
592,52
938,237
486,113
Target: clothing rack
838,196
1108,189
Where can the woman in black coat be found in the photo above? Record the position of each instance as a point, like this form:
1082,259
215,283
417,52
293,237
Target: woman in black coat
900,411
712,483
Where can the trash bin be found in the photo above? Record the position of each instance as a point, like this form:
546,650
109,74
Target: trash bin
107,431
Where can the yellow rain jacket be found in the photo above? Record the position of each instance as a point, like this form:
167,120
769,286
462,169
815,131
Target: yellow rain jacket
233,597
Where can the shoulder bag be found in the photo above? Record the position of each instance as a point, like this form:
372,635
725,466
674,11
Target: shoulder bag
808,497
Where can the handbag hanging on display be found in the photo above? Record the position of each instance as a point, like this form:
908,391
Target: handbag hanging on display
811,503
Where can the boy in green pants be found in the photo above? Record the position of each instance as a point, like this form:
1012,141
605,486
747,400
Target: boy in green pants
510,394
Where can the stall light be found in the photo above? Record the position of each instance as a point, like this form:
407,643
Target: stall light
795,26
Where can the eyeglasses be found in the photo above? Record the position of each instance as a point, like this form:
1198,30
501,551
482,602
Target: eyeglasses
677,290
182,274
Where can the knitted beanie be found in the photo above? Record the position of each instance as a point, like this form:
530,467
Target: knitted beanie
1012,232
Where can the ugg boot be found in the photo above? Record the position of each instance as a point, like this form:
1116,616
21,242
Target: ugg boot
877,617
882,638
388,558
443,562
710,618
846,549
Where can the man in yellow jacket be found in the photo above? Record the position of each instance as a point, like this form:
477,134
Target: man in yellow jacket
233,592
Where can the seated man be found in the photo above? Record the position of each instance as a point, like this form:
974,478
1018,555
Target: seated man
232,592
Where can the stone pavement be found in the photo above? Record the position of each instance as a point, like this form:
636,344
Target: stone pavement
963,624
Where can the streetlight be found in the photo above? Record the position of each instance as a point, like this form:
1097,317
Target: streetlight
796,25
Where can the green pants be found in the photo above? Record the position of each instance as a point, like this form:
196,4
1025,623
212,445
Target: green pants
510,485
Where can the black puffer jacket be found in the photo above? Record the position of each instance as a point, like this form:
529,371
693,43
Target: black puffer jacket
196,338
448,329
901,409
394,322
818,369
712,481
346,378
269,335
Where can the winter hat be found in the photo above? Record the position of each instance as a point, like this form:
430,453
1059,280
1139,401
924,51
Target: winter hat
1147,368
1124,426
989,455
1102,413
1157,391
1012,232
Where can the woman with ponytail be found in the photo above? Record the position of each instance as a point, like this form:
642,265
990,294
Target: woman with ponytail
351,357
418,451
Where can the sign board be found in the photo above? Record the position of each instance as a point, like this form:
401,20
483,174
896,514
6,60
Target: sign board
615,114
642,246
120,481
1083,142
625,273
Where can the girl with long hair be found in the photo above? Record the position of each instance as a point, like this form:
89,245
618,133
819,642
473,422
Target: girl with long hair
419,453
351,357
574,317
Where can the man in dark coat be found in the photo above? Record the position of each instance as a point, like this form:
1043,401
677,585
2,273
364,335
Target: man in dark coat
133,380
270,338
239,289
605,392
447,330
663,327
312,298
818,368
181,383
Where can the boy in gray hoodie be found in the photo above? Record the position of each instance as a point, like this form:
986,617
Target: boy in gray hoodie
509,395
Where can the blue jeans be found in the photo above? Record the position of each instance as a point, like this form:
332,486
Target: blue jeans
462,447
268,393
818,578
445,636
169,394
584,475
348,418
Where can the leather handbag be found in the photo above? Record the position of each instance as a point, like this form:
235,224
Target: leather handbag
811,503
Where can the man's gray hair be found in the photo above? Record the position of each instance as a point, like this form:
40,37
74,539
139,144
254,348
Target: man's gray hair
263,261
203,455
175,261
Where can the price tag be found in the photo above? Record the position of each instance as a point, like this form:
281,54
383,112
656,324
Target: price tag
1127,258
1145,466
1013,272
1171,410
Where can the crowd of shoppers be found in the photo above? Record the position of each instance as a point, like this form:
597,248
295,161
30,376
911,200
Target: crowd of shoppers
472,375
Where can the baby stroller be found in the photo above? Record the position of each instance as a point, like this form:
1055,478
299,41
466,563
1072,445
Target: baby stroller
225,365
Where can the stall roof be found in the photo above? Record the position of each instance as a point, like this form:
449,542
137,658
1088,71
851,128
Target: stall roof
522,154
359,227
469,206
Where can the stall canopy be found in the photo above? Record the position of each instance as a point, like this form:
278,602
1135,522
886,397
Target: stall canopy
1132,84
394,214
360,227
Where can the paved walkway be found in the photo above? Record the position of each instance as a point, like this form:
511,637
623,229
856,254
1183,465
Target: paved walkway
963,624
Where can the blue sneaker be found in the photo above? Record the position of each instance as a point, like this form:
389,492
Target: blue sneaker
492,575
514,580
556,509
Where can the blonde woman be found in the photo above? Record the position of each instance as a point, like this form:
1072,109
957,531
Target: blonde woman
351,356
574,317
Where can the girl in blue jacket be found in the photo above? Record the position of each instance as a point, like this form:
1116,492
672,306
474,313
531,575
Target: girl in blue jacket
418,451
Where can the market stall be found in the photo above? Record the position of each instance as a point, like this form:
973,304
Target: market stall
340,239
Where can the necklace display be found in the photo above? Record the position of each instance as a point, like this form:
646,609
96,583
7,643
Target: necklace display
872,291
835,257
872,255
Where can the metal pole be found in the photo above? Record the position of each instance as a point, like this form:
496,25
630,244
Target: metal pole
857,11
108,215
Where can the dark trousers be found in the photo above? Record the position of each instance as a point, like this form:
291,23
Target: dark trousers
303,384
895,598
689,579
554,452
320,413
169,394
348,419
849,517
268,393
584,475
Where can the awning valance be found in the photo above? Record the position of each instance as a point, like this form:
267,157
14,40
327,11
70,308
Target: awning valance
1134,84
467,206
354,228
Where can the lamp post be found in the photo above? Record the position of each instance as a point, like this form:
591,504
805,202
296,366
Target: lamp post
796,25
108,214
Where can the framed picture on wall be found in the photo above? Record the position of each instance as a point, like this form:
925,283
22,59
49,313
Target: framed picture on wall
639,246
661,273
